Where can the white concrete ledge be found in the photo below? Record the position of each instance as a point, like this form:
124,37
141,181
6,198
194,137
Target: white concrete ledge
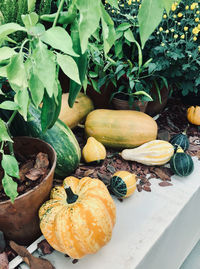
154,230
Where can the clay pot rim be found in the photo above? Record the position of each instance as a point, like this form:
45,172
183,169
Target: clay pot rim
50,171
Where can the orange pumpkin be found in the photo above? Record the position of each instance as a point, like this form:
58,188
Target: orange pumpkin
193,115
79,217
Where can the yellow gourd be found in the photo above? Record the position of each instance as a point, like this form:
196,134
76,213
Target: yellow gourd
156,152
93,151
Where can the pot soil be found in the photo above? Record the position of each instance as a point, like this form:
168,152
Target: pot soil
19,221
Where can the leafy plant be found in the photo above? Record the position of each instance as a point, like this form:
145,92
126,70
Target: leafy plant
31,66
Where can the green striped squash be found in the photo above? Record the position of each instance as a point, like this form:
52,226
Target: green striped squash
181,163
155,152
180,140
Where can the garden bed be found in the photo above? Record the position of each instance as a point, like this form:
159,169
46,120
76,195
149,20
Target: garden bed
153,215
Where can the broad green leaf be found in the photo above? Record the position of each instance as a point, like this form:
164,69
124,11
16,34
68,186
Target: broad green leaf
89,20
9,105
16,71
31,5
10,187
3,71
123,26
22,99
81,63
10,165
4,136
59,39
69,67
30,20
45,67
6,53
107,29
37,30
149,16
129,35
143,93
113,3
36,88
9,28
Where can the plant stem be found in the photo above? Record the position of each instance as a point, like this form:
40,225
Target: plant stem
10,144
58,12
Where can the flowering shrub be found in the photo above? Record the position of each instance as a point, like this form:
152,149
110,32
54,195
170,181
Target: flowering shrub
175,46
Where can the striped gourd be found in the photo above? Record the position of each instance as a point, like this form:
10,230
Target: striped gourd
123,184
181,163
79,217
180,140
156,152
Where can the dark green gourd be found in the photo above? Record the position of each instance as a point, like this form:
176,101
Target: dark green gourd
180,140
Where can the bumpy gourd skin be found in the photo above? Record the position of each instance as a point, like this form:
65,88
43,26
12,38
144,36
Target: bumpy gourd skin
193,115
81,227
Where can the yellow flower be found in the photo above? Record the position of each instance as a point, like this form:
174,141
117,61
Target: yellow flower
160,29
187,7
193,6
180,14
174,16
196,19
140,6
195,31
162,44
198,26
138,0
173,8
122,5
199,48
195,38
185,28
167,31
175,36
172,30
112,11
197,12
182,36
164,16
129,2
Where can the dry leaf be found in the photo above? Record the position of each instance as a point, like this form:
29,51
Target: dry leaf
24,169
88,172
41,160
4,261
165,184
34,173
45,247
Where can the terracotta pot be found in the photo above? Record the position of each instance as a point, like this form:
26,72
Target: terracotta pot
19,221
154,107
120,104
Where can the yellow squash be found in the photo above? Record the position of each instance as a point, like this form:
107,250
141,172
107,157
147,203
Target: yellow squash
77,114
156,152
79,217
120,128
193,115
93,151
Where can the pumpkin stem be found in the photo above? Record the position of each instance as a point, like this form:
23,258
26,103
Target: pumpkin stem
71,197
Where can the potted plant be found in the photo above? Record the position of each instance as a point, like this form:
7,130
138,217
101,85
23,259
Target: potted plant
175,52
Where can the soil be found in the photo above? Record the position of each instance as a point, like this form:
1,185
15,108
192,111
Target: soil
171,121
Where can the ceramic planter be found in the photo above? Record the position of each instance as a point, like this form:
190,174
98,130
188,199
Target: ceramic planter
120,104
19,221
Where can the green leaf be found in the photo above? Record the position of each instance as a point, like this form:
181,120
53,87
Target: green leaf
6,53
69,67
36,88
113,3
59,39
89,20
3,71
129,35
10,187
9,28
4,136
149,17
22,99
36,30
123,26
45,67
10,165
107,30
16,71
167,4
31,5
9,105
30,20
